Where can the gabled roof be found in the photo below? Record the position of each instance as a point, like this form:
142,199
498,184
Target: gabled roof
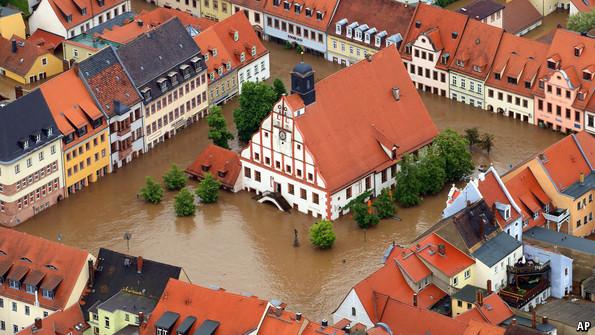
496,249
409,263
223,164
442,27
115,271
451,263
495,194
493,310
69,321
481,9
21,61
63,8
45,40
109,82
234,313
279,321
345,156
21,119
529,196
220,37
477,49
519,58
58,264
326,7
518,15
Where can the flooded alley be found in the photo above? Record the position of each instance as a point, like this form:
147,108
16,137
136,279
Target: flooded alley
244,246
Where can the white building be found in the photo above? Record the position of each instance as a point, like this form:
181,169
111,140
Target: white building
69,18
254,11
492,258
298,154
560,265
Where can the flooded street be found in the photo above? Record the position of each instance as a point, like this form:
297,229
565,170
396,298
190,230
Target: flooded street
244,246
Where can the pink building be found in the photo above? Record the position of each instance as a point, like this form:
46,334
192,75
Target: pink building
566,84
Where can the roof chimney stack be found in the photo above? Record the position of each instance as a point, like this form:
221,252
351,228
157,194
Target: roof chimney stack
513,322
18,91
581,178
298,316
14,46
324,323
397,93
489,286
415,299
533,319
544,320
139,265
442,249
141,318
139,22
91,272
479,298
38,323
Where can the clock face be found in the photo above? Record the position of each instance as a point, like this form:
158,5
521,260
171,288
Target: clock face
282,135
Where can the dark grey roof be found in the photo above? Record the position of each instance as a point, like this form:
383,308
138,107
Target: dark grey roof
116,271
469,293
578,189
185,326
302,68
6,11
494,250
474,223
207,327
98,62
119,20
481,9
21,119
167,320
128,330
561,239
128,302
568,312
154,53
589,285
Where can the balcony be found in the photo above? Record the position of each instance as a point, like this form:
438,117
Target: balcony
557,216
122,154
529,268
518,297
123,131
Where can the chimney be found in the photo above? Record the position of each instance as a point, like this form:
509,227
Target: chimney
513,322
441,249
141,318
38,323
397,93
298,316
544,320
91,272
581,178
139,264
75,67
489,286
468,202
479,298
14,46
368,57
18,91
324,323
139,22
348,329
534,319
415,299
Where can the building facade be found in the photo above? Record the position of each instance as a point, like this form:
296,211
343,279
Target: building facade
11,23
26,63
31,166
254,11
216,10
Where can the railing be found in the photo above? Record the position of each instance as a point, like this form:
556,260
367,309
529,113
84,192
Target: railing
557,216
528,268
122,154
124,131
515,299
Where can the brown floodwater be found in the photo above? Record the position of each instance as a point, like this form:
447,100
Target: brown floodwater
244,246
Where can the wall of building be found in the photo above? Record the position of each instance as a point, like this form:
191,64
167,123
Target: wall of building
466,89
134,135
556,110
188,6
19,318
223,88
346,52
88,160
345,310
459,307
497,272
109,323
295,33
510,104
495,19
423,70
255,71
255,17
12,25
217,10
77,51
45,18
560,265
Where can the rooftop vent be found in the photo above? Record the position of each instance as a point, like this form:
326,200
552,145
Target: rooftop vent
396,93
417,24
454,35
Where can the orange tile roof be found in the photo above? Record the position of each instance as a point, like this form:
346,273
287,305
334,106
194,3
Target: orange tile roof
54,262
584,5
237,314
147,20
340,100
529,196
585,140
75,108
409,263
67,322
564,162
492,192
451,263
493,310
220,37
438,25
223,164
482,328
257,5
327,7
477,49
282,322
45,40
62,8
518,15
21,61
519,58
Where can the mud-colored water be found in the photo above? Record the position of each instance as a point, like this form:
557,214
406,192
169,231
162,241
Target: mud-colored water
244,246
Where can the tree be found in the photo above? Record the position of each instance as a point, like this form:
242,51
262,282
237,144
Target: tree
184,203
431,174
487,142
472,136
454,149
218,131
408,184
174,179
208,189
151,192
279,88
322,235
363,215
582,22
256,102
384,205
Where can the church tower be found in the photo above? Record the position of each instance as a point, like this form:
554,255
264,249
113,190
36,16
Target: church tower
302,82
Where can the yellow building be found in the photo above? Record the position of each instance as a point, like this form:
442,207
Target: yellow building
77,51
215,9
26,63
84,129
11,23
346,52
563,171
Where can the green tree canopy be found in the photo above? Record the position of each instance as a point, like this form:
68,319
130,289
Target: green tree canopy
582,22
256,102
472,136
384,205
151,192
208,189
362,214
279,88
431,172
174,179
218,131
322,235
184,203
454,148
487,142
408,183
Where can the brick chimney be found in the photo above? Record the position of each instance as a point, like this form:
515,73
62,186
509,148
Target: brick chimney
479,298
544,320
91,272
534,319
489,286
513,322
14,46
18,91
415,299
139,264
38,323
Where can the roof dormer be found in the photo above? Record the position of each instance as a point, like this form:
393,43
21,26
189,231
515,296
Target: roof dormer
350,28
553,62
297,8
339,26
234,34
319,15
286,5
578,49
588,73
308,12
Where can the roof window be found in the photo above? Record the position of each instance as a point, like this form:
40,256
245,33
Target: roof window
319,15
308,12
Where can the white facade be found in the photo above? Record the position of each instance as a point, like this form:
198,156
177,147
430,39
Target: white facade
351,308
188,6
255,17
509,104
560,267
292,32
422,68
590,122
47,19
255,71
466,89
497,272
495,19
132,137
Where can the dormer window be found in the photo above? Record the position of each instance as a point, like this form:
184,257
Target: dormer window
444,58
358,35
276,2
236,35
15,284
497,76
512,80
220,70
146,92
195,63
378,42
37,138
48,294
97,123
552,64
367,38
349,31
206,57
581,95
82,131
319,15
68,138
222,173
185,70
527,84
587,75
173,78
212,76
50,131
297,8
84,11
69,18
476,68
25,144
286,5
101,3
162,82
308,12
214,52
30,289
460,63
228,66
253,51
408,48
242,57
578,50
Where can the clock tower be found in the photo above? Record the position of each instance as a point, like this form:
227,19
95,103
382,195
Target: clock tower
302,82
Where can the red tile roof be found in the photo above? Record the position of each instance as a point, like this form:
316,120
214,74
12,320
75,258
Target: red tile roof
519,15
584,5
451,263
327,7
237,314
529,196
113,85
52,261
477,49
438,25
482,328
62,8
491,188
519,58
340,100
409,263
493,310
67,322
219,38
282,322
257,5
21,61
74,109
223,164
45,40
587,144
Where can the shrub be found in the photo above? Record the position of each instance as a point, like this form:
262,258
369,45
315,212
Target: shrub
184,203
208,189
174,179
151,192
322,235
